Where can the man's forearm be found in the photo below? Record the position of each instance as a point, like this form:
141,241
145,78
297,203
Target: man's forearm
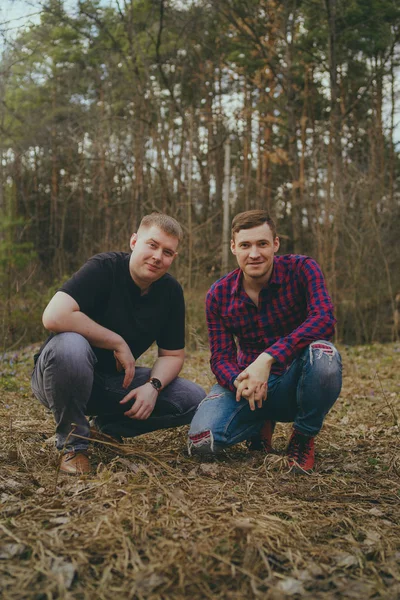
285,349
166,368
265,359
78,322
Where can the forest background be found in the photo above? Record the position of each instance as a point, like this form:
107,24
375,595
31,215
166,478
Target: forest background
202,109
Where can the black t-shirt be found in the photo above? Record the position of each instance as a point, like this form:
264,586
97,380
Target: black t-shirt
106,292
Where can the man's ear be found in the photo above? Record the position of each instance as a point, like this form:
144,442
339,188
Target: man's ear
233,247
133,240
277,244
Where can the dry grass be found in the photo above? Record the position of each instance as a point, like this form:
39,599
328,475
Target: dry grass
154,523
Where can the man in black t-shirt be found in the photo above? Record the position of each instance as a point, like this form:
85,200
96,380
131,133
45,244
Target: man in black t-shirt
102,320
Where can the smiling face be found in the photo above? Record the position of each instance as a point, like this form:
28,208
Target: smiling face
254,250
153,252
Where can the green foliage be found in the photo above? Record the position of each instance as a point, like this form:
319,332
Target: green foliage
14,255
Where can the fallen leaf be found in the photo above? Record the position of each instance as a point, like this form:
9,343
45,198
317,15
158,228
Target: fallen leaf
351,468
376,512
60,520
11,550
147,583
372,538
345,560
356,590
65,569
211,470
11,485
6,497
315,570
133,467
291,586
350,538
243,524
304,575
50,440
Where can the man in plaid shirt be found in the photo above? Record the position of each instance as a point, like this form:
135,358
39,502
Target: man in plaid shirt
269,325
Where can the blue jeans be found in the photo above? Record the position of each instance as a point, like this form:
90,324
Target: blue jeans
66,382
303,395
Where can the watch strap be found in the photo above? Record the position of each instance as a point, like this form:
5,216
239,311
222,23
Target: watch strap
156,383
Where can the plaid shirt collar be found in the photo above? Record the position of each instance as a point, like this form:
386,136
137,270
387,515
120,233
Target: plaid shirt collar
275,279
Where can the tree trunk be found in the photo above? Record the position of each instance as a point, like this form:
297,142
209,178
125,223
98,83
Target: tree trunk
225,219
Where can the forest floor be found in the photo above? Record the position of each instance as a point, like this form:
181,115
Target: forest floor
153,523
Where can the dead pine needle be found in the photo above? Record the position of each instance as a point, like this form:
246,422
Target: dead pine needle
153,523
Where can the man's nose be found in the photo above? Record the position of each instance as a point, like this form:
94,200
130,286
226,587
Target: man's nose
157,254
254,251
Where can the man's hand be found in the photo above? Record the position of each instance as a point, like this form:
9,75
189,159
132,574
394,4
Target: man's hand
145,400
125,362
252,383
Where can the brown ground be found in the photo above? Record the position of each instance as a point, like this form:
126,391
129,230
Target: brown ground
154,523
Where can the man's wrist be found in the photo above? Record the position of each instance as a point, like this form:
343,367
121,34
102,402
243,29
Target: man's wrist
119,343
155,383
233,379
266,358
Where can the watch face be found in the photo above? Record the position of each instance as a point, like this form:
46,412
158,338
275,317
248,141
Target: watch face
156,383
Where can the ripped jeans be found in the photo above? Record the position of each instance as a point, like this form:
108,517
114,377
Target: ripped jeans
303,395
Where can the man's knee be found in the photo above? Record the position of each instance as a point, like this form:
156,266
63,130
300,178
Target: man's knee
206,426
326,365
70,351
323,354
203,443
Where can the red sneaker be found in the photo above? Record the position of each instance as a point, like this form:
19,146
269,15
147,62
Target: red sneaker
263,440
300,452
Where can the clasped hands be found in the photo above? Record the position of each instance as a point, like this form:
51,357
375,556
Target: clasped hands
252,383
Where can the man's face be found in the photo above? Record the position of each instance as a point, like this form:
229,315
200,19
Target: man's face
254,250
153,252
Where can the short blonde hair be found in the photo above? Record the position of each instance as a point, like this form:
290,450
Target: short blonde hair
168,224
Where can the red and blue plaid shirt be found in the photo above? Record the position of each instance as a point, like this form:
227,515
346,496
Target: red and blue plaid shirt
294,310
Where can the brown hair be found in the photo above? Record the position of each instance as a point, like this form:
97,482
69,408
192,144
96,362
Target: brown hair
168,224
252,218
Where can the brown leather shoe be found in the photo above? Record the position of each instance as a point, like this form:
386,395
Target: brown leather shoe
75,463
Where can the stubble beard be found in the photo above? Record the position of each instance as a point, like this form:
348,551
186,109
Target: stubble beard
263,274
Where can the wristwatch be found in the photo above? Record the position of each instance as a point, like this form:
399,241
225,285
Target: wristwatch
156,383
